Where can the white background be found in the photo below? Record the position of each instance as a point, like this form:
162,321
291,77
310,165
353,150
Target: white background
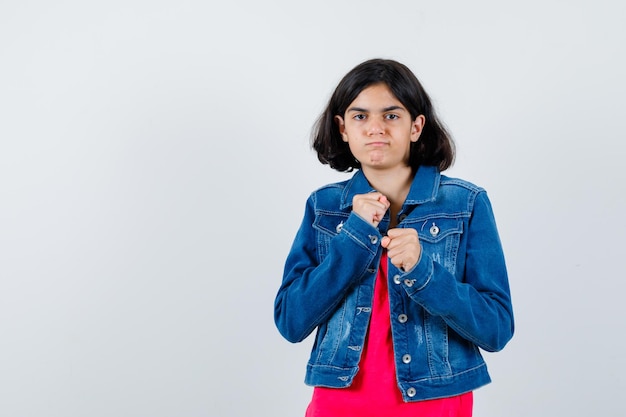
155,161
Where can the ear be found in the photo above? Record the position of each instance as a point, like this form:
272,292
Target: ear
342,127
417,127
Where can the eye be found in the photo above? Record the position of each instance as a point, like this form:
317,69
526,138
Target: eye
359,116
391,116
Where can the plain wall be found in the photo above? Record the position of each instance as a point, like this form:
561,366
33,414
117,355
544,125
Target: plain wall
155,161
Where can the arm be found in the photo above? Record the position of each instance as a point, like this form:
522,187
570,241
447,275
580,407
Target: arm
478,308
311,290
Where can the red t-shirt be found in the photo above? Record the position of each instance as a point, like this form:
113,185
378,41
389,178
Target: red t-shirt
374,391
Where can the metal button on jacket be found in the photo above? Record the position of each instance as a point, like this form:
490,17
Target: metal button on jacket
339,227
411,392
408,282
434,230
396,279
402,318
406,358
373,239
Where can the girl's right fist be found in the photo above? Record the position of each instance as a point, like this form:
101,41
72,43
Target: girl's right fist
371,207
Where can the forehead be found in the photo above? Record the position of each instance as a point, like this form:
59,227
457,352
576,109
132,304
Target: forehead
375,96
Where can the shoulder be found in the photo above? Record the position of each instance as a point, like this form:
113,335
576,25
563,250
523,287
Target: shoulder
329,195
331,187
461,184
465,193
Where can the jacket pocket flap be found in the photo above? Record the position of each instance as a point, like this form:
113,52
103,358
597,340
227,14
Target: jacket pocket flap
435,229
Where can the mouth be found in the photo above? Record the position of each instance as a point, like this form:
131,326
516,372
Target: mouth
376,144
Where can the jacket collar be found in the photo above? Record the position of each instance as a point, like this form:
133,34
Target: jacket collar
423,188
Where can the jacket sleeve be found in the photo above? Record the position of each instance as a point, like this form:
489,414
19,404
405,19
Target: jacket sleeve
478,307
312,290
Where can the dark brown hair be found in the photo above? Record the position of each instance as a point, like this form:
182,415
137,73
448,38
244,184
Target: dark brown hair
435,145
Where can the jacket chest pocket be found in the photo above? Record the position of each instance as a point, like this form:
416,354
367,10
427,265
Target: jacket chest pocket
327,225
440,238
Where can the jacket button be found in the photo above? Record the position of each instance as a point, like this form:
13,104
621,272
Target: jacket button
339,227
408,282
396,279
434,230
373,239
402,318
406,358
401,217
411,392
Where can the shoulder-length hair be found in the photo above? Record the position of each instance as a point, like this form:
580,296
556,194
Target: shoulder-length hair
435,145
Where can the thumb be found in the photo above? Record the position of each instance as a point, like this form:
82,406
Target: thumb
384,242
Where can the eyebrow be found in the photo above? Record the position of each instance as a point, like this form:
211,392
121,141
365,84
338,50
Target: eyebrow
386,109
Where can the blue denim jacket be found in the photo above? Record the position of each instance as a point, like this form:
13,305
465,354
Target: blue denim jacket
455,300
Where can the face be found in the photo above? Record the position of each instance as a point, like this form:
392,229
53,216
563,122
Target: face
379,129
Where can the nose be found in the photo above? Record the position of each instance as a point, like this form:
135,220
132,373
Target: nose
375,128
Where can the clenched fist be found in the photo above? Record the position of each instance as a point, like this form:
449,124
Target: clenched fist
371,207
403,247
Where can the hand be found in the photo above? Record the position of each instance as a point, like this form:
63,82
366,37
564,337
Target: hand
403,247
371,207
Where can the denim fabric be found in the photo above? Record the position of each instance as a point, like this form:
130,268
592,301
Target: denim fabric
452,303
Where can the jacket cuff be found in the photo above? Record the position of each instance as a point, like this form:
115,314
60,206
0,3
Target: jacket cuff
415,279
362,232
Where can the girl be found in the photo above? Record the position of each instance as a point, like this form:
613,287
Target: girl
400,268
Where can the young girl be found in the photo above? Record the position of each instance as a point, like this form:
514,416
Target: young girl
400,268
